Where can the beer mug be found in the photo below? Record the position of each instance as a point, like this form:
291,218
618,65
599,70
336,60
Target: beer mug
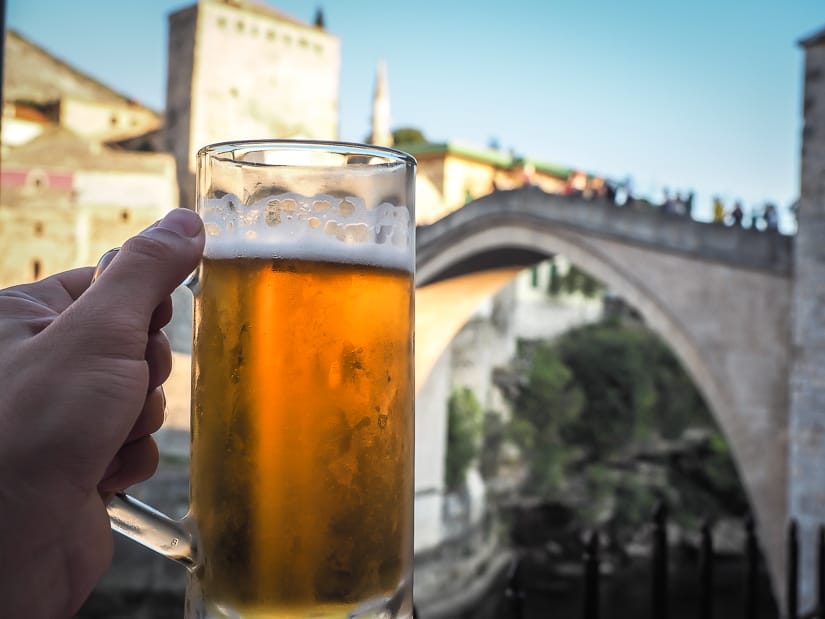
301,466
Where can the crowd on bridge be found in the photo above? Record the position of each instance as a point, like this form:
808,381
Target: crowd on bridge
763,217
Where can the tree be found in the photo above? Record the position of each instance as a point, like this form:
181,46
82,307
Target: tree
465,420
611,367
408,135
493,439
608,421
548,401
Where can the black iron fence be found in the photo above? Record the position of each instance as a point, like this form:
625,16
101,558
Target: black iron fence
517,594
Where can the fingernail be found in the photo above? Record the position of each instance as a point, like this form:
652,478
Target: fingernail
182,221
105,261
150,227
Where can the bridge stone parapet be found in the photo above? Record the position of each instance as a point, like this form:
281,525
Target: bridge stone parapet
751,249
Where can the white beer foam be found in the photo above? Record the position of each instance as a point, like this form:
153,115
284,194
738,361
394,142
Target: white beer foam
321,227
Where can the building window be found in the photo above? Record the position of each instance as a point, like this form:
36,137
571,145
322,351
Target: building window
233,92
239,26
36,269
534,277
222,22
270,35
37,179
288,39
124,216
38,228
113,120
303,43
318,49
554,282
254,31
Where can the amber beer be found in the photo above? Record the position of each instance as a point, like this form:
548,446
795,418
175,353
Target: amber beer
302,435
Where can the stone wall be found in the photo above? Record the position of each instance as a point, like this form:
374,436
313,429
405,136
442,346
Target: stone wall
177,130
41,242
106,122
54,218
430,448
537,315
807,383
465,180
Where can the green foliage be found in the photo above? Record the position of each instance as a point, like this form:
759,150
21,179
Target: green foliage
465,421
549,402
494,435
607,415
619,496
408,135
614,372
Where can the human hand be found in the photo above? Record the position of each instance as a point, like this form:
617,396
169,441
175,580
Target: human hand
82,368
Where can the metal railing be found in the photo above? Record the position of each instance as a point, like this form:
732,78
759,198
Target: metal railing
517,594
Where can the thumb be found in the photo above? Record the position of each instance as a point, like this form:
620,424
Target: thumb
143,274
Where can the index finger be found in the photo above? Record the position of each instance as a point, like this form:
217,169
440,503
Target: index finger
75,282
58,291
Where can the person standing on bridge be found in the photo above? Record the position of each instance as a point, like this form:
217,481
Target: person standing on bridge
771,217
668,206
755,218
689,203
737,214
718,210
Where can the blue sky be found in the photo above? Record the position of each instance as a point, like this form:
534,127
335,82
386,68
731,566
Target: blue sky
703,95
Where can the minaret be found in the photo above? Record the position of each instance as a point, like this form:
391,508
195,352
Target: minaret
381,134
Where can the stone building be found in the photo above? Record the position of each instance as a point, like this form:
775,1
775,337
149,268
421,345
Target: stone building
66,200
68,97
452,174
85,167
242,70
66,195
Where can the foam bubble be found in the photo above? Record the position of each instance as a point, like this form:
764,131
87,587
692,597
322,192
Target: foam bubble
321,227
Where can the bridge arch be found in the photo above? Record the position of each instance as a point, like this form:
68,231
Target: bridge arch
726,318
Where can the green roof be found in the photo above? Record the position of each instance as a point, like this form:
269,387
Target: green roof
483,155
548,168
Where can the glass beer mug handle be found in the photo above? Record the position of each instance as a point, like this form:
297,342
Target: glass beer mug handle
138,521
149,527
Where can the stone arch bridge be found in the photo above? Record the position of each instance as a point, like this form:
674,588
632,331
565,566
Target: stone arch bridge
720,297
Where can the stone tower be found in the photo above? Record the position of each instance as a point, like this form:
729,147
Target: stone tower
381,134
242,70
806,428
